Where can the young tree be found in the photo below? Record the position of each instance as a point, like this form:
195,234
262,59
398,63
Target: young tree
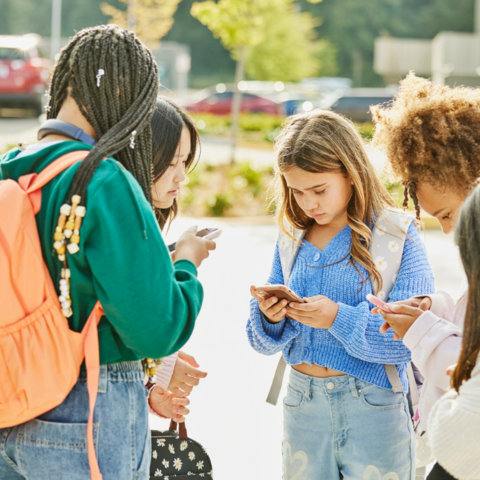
291,51
151,19
244,25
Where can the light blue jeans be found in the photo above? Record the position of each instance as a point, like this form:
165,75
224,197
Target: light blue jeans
54,445
345,428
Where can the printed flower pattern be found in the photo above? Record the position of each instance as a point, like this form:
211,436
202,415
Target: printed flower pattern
381,264
185,458
393,246
378,231
381,295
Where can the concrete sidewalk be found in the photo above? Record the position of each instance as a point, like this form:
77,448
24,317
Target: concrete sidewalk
229,415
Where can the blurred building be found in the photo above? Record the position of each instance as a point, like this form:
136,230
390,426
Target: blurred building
451,58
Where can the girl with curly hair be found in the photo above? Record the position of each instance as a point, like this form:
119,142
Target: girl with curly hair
431,137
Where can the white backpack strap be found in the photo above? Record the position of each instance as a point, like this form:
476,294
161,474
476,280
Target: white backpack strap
387,250
288,250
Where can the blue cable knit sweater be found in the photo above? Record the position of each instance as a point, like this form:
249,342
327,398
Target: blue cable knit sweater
353,344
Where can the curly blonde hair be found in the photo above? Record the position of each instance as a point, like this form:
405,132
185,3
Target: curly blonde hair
431,133
323,141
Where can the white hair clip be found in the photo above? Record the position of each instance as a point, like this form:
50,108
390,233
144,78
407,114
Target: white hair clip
132,139
101,72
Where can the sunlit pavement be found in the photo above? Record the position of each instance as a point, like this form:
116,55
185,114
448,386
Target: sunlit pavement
229,415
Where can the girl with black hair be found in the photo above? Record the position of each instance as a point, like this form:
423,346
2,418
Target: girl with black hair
109,249
175,143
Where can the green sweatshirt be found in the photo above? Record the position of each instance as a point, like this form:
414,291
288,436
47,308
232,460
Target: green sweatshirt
150,304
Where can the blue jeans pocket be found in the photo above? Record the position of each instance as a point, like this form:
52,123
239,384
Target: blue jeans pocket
54,450
294,399
376,398
143,471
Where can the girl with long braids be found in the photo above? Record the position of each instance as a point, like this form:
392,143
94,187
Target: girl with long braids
101,241
432,141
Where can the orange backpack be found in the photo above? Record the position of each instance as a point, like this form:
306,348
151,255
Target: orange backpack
40,357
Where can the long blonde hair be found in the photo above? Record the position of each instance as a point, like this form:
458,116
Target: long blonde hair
322,141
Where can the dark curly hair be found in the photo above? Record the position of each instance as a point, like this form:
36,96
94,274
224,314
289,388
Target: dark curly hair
431,133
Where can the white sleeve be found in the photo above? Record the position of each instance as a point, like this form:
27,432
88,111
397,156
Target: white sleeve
453,427
435,344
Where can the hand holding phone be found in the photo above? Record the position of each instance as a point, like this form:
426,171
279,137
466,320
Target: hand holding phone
379,303
281,292
207,233
192,247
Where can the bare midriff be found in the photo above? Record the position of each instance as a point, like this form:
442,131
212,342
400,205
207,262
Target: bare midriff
316,370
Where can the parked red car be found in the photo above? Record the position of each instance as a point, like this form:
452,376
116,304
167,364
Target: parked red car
221,103
24,72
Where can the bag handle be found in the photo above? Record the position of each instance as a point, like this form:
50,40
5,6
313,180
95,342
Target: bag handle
182,429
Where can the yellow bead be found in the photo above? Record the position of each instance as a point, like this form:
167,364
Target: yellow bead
58,236
152,371
75,238
61,250
58,229
70,224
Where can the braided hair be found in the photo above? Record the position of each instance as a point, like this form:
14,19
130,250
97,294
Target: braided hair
113,79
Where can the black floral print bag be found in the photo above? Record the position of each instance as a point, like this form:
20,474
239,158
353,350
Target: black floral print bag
177,457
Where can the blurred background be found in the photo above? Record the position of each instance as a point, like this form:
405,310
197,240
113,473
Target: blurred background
241,68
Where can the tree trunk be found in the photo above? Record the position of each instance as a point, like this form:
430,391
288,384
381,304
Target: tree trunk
132,15
237,100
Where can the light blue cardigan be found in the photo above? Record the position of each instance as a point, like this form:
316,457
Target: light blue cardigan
353,344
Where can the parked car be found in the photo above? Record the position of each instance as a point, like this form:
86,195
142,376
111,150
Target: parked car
356,102
220,103
24,72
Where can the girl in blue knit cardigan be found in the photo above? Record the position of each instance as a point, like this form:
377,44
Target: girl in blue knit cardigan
342,418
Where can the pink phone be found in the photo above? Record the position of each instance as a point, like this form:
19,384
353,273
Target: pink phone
379,303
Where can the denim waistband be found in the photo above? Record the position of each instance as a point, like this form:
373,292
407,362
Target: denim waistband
121,371
327,385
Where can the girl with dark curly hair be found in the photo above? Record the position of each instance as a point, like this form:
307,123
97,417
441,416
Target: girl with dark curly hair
431,136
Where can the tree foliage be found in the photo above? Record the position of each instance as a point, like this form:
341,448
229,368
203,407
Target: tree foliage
153,18
280,41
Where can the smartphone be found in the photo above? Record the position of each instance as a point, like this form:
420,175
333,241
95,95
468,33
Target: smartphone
280,291
208,233
379,303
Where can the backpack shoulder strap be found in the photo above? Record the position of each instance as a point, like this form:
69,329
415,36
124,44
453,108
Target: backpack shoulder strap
33,182
288,250
388,241
387,247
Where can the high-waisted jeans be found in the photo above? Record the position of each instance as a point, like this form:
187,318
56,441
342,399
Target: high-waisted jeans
54,445
345,428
